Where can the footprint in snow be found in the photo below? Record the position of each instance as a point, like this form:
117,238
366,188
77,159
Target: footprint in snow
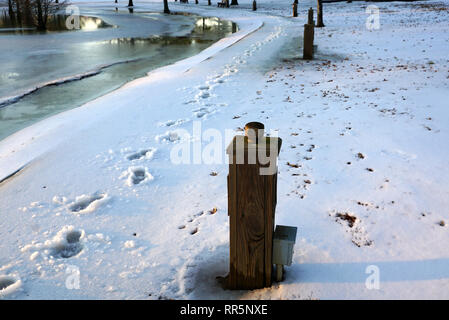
203,95
193,217
67,243
136,175
145,153
169,136
171,123
88,203
8,285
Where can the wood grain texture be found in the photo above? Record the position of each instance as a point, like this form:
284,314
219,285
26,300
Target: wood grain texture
251,205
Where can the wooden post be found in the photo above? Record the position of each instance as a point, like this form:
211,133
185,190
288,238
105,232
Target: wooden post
209,2
251,207
196,1
319,18
295,9
310,17
308,41
254,5
130,3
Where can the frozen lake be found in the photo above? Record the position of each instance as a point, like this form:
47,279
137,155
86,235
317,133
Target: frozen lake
90,62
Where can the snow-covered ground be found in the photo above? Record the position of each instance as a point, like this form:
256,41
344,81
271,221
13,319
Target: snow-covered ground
363,169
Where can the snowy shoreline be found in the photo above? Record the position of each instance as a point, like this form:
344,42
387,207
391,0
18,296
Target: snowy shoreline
24,136
364,128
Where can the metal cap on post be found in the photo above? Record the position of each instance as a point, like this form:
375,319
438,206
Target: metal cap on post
254,131
252,188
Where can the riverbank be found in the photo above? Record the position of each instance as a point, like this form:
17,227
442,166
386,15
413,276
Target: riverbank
364,128
44,74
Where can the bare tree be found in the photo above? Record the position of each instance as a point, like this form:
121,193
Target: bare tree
11,10
166,9
32,12
42,9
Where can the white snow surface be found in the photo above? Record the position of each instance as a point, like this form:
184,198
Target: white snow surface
364,128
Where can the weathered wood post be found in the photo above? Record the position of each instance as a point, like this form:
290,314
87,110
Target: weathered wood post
295,9
252,187
254,5
309,35
308,41
310,17
319,12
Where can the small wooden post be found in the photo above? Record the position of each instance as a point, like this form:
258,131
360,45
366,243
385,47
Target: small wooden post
209,2
308,41
310,17
295,9
196,1
254,5
319,22
251,207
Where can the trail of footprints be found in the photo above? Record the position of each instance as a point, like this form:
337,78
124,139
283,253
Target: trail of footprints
193,221
68,242
204,93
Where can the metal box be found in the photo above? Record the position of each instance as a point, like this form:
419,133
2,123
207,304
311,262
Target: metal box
283,243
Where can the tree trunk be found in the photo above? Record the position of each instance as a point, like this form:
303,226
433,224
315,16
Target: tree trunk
28,15
166,9
11,12
18,13
41,25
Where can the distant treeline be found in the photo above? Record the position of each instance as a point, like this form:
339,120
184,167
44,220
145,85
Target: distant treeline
32,13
